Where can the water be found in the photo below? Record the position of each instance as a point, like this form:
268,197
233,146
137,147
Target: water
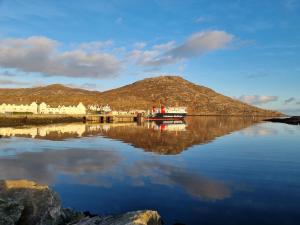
210,170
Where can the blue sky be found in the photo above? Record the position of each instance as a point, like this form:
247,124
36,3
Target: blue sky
244,49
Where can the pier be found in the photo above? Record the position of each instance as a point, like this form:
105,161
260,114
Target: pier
98,118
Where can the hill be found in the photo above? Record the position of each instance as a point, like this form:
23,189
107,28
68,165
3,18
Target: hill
166,90
55,94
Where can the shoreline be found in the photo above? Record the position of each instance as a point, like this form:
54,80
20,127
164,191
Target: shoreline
293,120
42,119
22,120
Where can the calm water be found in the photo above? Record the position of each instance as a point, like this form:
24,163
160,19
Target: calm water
207,171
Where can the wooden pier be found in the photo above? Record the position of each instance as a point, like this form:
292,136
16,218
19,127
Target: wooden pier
99,118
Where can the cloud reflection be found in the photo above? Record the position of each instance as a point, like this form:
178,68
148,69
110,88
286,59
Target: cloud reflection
106,168
43,167
193,183
259,131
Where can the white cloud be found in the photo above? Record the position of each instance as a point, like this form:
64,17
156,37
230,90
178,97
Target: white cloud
4,81
100,59
147,57
200,43
169,53
139,45
41,55
257,99
289,100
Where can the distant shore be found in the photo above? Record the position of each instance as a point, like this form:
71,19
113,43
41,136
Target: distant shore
42,119
294,120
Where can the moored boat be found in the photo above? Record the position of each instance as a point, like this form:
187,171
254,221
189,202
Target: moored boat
167,113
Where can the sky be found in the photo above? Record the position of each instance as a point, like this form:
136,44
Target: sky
245,49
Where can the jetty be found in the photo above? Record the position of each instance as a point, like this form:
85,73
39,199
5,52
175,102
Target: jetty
108,118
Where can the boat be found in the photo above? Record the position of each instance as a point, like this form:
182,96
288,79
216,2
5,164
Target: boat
167,113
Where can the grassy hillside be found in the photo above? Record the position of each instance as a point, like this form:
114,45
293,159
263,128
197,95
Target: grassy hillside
166,90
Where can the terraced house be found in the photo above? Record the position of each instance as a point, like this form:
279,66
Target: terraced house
42,108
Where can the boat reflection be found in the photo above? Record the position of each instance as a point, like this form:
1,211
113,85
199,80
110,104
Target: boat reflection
168,137
176,125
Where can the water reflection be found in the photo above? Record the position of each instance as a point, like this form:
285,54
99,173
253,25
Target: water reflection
256,131
102,168
193,183
44,167
253,172
163,138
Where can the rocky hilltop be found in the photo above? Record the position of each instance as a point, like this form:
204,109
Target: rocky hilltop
25,202
167,90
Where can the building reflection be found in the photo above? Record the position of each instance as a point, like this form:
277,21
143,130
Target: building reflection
108,167
163,138
175,138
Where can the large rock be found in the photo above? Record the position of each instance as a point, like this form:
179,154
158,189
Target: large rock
25,202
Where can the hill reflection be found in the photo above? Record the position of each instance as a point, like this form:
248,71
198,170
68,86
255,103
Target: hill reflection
163,138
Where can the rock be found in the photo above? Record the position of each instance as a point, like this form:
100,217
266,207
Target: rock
10,212
25,202
294,120
143,217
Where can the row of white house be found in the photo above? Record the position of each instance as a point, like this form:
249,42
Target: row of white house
43,108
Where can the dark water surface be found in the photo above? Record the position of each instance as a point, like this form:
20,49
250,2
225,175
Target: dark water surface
211,170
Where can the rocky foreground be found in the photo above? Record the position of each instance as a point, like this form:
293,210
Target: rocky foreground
24,202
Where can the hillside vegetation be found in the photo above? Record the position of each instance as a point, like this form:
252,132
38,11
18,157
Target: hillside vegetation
166,90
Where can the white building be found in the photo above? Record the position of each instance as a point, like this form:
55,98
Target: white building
13,108
43,108
97,108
